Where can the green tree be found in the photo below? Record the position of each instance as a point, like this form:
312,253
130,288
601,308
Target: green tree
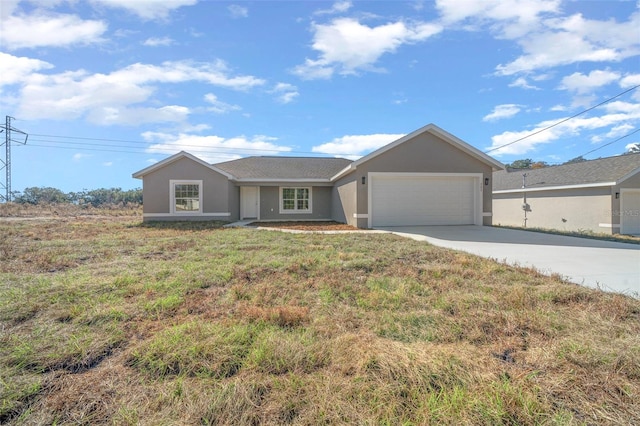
579,159
633,148
41,195
521,164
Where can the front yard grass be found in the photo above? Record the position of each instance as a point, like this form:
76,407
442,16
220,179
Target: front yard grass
109,321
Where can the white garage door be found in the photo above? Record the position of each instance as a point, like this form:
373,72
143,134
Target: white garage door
630,212
410,200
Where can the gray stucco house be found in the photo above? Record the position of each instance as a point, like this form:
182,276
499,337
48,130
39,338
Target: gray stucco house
600,195
428,177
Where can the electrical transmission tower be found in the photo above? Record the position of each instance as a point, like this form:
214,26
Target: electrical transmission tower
5,163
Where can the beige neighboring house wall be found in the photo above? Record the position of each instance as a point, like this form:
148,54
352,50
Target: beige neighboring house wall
587,209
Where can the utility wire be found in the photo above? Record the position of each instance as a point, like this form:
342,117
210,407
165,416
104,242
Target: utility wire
612,142
563,120
217,149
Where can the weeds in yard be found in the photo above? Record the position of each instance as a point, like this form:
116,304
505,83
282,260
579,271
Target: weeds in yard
109,321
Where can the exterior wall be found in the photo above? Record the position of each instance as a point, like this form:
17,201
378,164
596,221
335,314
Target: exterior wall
156,191
320,203
586,209
234,201
426,153
343,200
616,207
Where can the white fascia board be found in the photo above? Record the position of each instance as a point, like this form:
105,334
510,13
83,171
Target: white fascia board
554,188
182,154
435,130
350,168
306,181
628,175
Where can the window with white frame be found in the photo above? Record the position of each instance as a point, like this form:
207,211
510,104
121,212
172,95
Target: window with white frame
186,196
295,200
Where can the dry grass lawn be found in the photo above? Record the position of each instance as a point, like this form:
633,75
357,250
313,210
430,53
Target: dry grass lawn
105,320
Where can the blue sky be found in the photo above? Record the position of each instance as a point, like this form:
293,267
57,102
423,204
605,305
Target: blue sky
107,87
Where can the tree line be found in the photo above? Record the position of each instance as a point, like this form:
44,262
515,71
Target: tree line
528,163
101,197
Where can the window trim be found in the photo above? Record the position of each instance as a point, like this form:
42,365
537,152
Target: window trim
172,197
296,210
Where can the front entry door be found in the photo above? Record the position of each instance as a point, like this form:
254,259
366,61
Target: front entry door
249,202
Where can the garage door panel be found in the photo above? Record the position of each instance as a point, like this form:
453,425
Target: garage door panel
419,200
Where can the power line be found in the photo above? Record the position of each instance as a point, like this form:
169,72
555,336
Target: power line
563,120
612,142
169,146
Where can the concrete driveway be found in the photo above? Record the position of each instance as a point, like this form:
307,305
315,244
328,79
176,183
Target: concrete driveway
608,265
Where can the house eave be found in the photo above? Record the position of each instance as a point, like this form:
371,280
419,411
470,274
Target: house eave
554,188
175,157
434,130
247,181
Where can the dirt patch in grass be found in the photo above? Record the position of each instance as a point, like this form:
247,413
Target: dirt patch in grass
308,226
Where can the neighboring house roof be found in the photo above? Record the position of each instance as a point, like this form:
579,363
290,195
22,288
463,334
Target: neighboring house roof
601,172
176,157
436,131
284,168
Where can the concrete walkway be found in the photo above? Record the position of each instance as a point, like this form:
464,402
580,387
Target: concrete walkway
607,265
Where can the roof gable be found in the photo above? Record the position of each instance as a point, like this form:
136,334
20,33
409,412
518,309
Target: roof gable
601,172
182,154
436,131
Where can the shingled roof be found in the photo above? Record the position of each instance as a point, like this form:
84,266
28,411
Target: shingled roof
592,172
284,168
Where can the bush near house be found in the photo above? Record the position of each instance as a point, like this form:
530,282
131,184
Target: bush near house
104,320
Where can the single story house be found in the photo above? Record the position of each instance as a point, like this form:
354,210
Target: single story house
600,195
428,177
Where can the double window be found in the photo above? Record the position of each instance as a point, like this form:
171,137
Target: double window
295,200
186,197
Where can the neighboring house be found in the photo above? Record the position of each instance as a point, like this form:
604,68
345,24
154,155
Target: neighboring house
428,177
600,195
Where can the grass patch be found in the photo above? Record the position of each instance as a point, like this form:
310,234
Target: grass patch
109,320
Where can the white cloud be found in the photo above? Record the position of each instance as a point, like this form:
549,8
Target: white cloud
616,114
285,92
590,41
522,83
502,111
630,80
218,106
135,116
108,163
338,7
507,18
79,157
158,41
110,98
238,11
580,83
615,132
14,69
213,149
147,9
355,146
47,29
547,38
346,46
